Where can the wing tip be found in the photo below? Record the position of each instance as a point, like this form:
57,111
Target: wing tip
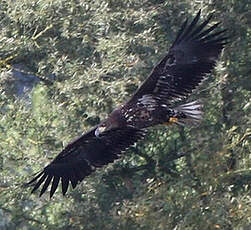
184,30
194,31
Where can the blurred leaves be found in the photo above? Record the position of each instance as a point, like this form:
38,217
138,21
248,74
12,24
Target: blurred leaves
90,56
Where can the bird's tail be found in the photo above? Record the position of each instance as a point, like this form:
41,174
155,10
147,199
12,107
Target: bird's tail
189,113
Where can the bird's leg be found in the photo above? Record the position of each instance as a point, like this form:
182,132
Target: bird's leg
171,121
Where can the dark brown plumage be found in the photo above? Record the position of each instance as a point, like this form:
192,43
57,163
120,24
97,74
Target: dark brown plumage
81,157
192,56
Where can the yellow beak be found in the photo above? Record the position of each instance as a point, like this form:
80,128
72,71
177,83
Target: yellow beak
99,130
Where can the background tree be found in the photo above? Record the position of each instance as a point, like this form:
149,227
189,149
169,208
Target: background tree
78,60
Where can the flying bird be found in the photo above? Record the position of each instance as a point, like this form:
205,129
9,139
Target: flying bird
158,100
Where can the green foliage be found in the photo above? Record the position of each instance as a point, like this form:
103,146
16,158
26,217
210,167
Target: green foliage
98,52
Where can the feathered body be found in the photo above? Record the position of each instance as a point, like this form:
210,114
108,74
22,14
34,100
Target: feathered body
193,55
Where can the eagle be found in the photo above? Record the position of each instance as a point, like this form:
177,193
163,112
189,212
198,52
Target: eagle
159,100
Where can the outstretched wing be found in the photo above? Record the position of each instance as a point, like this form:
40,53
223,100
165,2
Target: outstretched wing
192,55
81,157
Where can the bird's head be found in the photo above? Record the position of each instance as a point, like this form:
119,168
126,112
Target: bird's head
113,121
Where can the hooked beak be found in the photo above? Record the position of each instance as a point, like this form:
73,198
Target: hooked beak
99,130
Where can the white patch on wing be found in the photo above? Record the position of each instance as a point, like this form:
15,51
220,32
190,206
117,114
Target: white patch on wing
142,111
147,101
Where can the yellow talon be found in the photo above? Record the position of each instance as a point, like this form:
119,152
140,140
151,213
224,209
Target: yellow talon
171,120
